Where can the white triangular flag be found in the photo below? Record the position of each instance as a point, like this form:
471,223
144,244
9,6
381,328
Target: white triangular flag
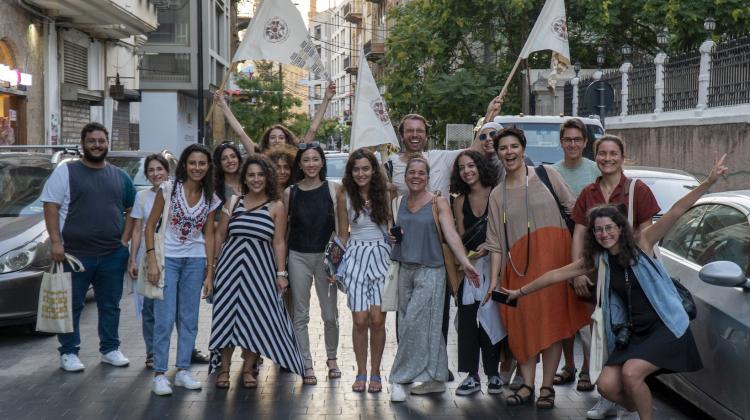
278,33
550,32
371,125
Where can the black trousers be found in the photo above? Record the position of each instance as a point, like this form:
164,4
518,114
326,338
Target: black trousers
472,339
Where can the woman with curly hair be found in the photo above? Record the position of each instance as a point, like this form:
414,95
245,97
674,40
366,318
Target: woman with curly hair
637,294
278,134
479,326
248,311
363,215
283,161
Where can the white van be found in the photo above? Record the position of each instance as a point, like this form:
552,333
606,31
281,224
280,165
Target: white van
543,135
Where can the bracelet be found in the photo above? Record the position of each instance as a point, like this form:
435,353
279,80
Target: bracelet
521,291
149,250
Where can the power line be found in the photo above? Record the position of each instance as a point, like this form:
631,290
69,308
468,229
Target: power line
350,25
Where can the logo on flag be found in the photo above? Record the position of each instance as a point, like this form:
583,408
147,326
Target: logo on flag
560,28
276,30
378,106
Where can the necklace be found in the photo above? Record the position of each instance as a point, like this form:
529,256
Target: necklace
528,227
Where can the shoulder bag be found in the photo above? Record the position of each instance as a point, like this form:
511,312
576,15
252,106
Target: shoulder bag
145,288
453,271
389,300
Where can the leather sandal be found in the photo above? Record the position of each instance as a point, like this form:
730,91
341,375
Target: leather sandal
248,379
333,372
584,382
547,401
518,399
309,378
376,384
222,379
360,381
566,375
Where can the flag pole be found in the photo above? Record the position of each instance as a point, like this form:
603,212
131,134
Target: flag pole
221,87
510,77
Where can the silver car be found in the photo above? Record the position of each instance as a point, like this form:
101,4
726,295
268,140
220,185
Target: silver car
716,228
668,185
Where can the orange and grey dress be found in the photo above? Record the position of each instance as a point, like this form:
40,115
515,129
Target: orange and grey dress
554,313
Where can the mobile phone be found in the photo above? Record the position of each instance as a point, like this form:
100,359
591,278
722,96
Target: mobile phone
472,254
397,233
501,297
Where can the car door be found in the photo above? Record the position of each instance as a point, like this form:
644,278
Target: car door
707,233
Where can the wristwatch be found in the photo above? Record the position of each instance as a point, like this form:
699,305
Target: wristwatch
282,274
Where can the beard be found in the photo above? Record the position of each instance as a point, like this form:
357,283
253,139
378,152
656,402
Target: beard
96,159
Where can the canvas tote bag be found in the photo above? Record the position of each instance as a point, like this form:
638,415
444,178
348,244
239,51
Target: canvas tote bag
55,306
599,351
389,300
145,288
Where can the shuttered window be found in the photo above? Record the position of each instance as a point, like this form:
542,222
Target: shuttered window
75,64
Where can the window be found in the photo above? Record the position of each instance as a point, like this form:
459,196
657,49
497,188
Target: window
723,235
174,23
678,239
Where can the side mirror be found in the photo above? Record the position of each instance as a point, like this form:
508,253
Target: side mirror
723,273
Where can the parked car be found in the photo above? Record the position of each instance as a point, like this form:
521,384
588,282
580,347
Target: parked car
716,228
543,135
668,185
336,165
24,242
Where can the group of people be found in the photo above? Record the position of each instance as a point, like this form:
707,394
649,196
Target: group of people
254,235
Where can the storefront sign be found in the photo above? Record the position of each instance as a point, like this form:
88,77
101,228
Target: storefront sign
14,76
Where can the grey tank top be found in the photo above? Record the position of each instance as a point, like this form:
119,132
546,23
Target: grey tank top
420,243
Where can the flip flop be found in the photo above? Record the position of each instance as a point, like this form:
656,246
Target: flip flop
376,384
359,383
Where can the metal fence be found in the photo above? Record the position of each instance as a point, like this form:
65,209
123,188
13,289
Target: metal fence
614,78
681,81
730,73
641,87
582,86
568,99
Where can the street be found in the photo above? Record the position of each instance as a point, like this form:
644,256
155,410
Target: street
33,387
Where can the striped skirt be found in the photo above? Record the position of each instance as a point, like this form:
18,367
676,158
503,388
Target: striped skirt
363,272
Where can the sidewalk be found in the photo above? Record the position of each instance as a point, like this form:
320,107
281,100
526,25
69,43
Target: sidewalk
33,387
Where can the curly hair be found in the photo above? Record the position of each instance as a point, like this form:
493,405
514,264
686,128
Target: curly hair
271,190
298,174
291,139
626,241
219,173
181,175
287,154
487,172
378,191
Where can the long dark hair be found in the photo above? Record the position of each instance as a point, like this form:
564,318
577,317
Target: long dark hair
487,172
378,191
207,181
219,177
628,248
271,189
291,139
298,174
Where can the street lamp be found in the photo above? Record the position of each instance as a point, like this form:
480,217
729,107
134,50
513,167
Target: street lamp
709,24
600,57
577,67
626,49
661,39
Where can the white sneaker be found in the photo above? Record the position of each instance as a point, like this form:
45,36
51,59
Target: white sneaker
398,393
624,414
115,358
160,385
186,380
603,408
428,387
71,363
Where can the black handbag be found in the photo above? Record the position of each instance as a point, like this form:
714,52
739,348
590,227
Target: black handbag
687,299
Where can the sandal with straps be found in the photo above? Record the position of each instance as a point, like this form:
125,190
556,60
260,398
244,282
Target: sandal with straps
376,384
546,402
518,399
309,379
584,382
251,383
222,379
359,383
566,375
333,372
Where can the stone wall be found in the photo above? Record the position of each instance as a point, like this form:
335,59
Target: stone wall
27,43
691,148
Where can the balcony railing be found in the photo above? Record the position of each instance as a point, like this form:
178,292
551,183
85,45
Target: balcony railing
353,11
350,64
374,50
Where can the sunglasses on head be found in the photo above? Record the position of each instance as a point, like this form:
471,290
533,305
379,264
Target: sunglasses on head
487,136
305,146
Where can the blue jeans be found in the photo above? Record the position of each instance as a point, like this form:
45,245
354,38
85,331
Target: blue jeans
105,273
183,280
147,324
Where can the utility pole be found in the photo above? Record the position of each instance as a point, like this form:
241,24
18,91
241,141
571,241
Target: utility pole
201,116
281,94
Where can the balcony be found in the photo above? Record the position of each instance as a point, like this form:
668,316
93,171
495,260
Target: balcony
376,1
114,19
353,11
350,65
374,50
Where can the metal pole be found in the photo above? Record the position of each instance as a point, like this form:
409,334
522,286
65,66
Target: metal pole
199,33
281,94
601,106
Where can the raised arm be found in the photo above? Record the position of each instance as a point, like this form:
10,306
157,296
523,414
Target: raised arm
318,118
651,235
492,110
246,141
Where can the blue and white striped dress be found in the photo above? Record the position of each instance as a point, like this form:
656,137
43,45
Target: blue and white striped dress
247,311
366,261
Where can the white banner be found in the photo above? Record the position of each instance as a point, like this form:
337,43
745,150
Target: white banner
550,32
278,33
371,125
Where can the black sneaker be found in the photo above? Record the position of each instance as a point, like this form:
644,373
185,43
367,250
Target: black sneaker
469,386
450,376
495,385
199,357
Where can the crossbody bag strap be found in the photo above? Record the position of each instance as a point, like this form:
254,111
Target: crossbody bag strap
631,199
436,218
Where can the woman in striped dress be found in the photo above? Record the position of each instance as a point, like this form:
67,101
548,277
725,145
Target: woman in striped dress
363,206
248,311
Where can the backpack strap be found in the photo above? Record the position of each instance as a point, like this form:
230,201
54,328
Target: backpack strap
631,198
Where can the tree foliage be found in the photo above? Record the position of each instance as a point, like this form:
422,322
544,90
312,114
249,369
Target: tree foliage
447,59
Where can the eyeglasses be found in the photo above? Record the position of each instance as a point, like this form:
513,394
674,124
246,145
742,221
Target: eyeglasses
487,136
94,142
609,229
305,146
574,140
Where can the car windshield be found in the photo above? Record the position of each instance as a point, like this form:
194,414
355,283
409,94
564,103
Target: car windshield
22,179
668,191
335,166
133,165
543,140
